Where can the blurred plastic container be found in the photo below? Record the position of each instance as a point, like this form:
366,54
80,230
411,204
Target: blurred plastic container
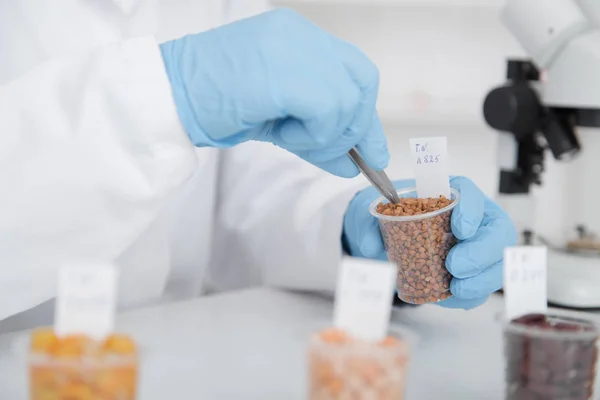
344,368
79,368
419,245
550,357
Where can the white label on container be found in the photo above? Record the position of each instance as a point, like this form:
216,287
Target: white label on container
430,160
86,301
525,282
363,300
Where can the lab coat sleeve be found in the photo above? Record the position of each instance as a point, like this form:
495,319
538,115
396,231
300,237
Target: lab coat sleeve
91,148
279,221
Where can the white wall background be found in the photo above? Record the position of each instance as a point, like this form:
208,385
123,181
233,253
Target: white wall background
438,59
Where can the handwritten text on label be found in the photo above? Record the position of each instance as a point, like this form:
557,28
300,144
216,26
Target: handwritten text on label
430,166
525,276
426,158
363,298
86,299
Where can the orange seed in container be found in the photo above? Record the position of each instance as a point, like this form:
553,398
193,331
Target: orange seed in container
390,341
342,367
77,367
334,336
43,340
78,391
119,344
72,346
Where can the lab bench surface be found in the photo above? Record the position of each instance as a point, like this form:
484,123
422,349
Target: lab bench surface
251,344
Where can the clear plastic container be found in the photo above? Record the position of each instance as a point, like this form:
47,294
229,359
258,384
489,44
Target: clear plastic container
556,359
77,368
353,369
419,245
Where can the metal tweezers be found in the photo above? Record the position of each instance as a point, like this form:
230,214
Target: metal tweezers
378,179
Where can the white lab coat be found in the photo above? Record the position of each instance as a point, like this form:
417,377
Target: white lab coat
95,165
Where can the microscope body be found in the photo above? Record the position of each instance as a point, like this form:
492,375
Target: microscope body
541,107
547,97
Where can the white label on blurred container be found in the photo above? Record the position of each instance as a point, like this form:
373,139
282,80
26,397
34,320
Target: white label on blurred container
430,160
525,282
86,301
363,299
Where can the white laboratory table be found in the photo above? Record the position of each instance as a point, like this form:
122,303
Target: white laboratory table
251,345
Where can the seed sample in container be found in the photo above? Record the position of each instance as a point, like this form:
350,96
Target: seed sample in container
358,359
550,357
78,367
417,235
81,356
343,367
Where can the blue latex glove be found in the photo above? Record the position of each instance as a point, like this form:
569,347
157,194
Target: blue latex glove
278,78
481,226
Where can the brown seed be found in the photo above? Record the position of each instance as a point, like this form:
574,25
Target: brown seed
419,248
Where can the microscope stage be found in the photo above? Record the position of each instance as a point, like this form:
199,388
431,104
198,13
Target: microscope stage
573,280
